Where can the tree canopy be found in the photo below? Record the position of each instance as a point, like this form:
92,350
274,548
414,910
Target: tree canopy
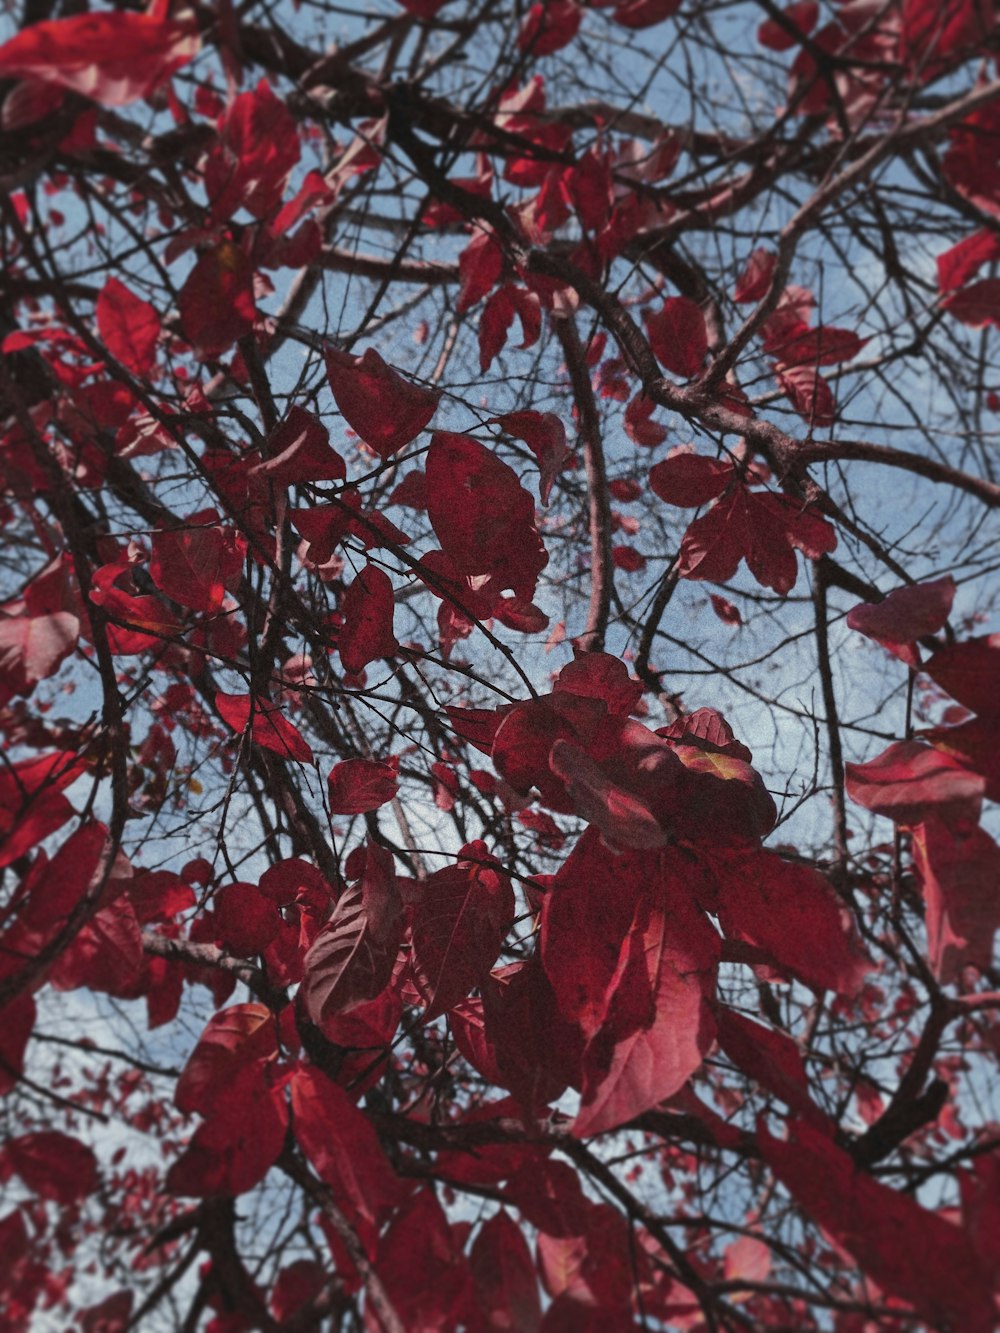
499,681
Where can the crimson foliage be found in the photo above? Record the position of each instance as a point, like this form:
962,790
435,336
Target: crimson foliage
426,470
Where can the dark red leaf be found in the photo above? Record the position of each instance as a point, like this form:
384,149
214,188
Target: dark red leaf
482,515
459,925
970,672
506,1282
352,957
690,480
269,728
238,1143
914,1254
299,450
360,785
196,566
368,608
959,263
907,614
959,870
53,1165
243,1034
678,336
549,27
801,16
216,302
545,436
341,1143
386,410
791,913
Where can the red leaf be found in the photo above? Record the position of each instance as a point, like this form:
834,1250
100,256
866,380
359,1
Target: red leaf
239,1142
32,648
977,305
958,264
129,327
360,785
482,515
639,426
352,957
479,266
763,529
644,13
911,781
725,610
678,336
754,282
802,16
422,1267
690,480
549,27
586,916
808,393
625,817
31,802
659,1023
823,346
907,614
368,606
503,1271
113,57
243,1034
913,1254
970,672
216,302
342,1145
385,410
545,436
17,1022
258,148
53,1165
459,925
770,1059
960,871
299,450
791,913
246,920
105,955
269,729
196,566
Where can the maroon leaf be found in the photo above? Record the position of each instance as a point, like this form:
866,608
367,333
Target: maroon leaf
913,1254
659,1023
352,957
690,480
368,608
545,436
196,566
907,614
791,913
959,870
268,729
483,517
216,302
386,410
53,1165
459,925
341,1143
360,785
678,336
